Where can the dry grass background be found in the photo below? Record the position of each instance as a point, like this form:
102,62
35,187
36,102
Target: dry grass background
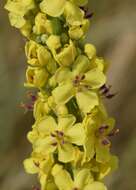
113,31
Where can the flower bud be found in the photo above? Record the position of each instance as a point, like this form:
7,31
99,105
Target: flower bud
67,55
37,55
36,77
90,50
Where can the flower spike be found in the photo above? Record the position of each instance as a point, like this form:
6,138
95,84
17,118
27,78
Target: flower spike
71,135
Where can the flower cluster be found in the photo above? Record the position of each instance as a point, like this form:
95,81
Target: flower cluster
71,134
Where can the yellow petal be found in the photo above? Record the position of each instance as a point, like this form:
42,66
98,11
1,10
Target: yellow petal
95,78
66,122
46,125
67,55
63,74
53,8
76,134
30,166
74,15
66,152
82,178
44,145
81,65
87,100
32,136
63,93
102,152
62,178
95,186
16,20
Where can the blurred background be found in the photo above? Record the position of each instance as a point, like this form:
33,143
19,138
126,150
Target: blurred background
113,31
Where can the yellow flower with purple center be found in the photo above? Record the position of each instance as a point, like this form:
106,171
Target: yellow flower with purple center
83,180
40,164
98,129
81,83
60,137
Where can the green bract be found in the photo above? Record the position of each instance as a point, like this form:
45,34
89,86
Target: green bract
71,134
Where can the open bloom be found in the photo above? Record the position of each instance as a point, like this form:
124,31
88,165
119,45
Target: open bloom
81,83
100,170
97,144
41,164
59,137
83,180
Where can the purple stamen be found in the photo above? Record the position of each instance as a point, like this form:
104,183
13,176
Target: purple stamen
27,107
32,96
89,15
113,133
105,90
105,142
103,128
109,96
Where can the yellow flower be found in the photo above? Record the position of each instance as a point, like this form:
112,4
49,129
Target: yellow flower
80,82
41,164
44,105
36,77
64,56
78,32
38,55
97,144
59,137
83,180
73,14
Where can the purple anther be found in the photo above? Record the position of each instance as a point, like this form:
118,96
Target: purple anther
109,96
63,142
103,128
105,142
61,133
113,132
89,15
